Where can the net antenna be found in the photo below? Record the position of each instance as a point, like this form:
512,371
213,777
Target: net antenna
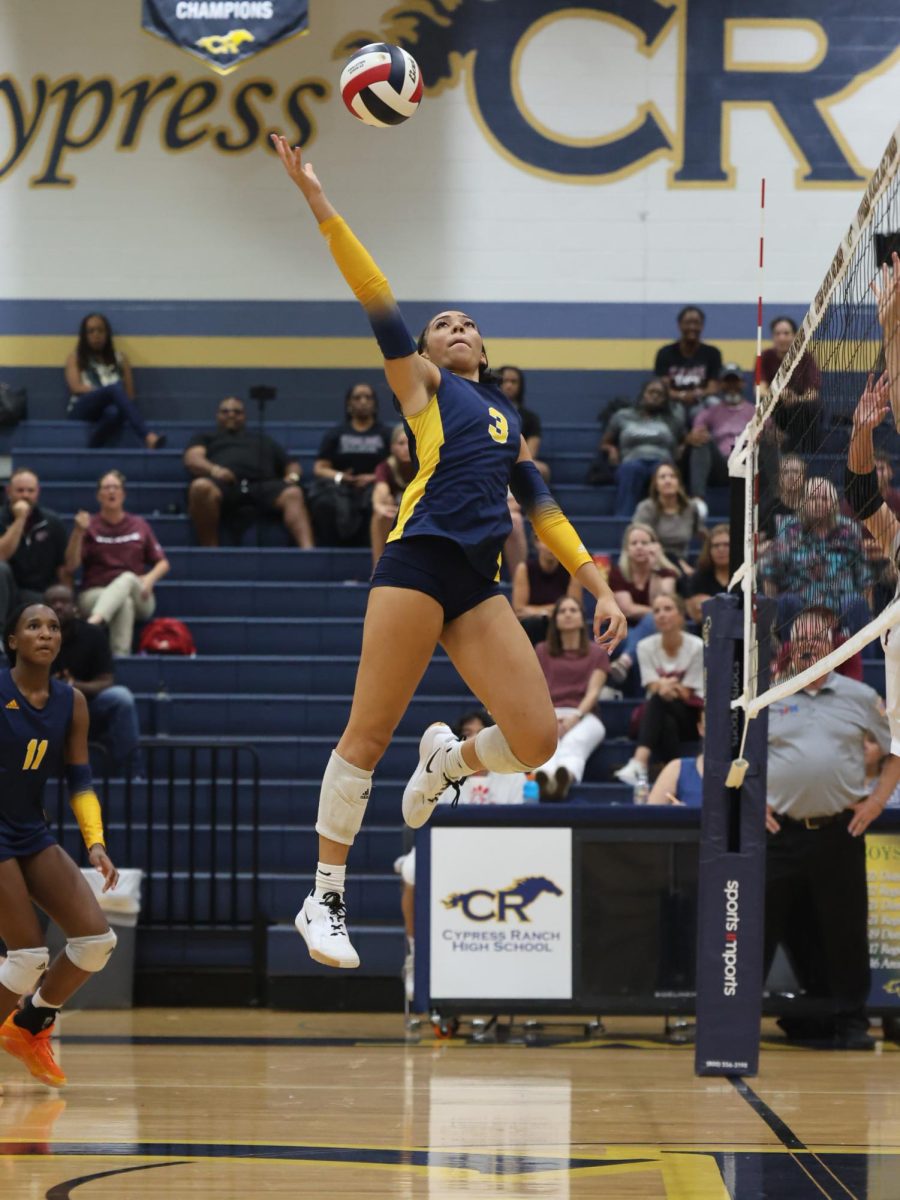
802,547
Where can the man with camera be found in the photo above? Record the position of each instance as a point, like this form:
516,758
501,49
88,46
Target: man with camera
235,469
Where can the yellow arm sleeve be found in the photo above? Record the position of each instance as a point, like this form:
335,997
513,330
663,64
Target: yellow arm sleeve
86,808
356,265
550,523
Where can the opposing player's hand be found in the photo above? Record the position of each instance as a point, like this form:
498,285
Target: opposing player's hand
608,613
874,404
101,862
301,173
887,295
864,813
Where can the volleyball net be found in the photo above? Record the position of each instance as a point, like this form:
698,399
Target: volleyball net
832,585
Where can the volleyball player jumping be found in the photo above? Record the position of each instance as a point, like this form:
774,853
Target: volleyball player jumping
436,581
44,723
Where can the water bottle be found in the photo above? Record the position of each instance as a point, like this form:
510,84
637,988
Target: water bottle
162,711
531,793
641,791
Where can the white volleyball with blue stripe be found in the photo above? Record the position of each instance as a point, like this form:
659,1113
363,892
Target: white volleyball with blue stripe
382,84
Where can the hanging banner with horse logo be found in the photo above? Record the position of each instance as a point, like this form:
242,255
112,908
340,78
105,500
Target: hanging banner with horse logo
501,914
225,33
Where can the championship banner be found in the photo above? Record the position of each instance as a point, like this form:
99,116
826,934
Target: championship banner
225,33
501,914
883,871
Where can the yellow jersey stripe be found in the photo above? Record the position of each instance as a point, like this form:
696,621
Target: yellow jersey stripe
428,430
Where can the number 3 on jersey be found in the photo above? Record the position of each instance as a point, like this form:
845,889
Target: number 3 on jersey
34,754
499,427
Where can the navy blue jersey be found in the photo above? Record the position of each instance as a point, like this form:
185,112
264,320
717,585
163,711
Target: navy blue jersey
465,443
32,742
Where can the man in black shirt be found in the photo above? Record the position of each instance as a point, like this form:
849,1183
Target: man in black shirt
32,544
690,367
235,469
85,661
341,494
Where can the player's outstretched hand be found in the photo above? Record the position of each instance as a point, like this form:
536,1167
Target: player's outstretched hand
887,296
101,862
302,173
608,613
874,403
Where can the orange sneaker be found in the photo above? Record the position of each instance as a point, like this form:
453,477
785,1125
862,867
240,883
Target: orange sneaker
34,1050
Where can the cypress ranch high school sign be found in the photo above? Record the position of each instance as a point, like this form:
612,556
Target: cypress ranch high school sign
481,42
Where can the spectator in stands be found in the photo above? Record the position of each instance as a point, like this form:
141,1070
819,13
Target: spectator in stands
671,665
32,543
797,413
675,519
689,366
84,661
712,575
392,477
643,573
817,624
121,560
680,781
714,432
817,809
484,787
237,469
817,558
537,585
101,386
791,490
512,385
515,548
638,439
576,670
890,494
340,496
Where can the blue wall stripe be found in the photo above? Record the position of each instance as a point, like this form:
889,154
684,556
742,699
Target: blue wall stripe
338,318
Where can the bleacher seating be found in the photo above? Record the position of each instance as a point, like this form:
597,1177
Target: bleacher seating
278,635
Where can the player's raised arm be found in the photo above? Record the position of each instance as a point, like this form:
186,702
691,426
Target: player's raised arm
862,491
412,378
557,533
887,298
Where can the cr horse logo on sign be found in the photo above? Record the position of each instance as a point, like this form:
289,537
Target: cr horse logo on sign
482,905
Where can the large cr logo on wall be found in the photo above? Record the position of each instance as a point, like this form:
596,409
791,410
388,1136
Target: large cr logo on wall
487,37
225,33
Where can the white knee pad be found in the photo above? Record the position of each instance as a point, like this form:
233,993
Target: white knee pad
342,800
493,750
91,953
21,972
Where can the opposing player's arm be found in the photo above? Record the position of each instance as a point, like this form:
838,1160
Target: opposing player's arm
412,378
887,298
862,491
556,532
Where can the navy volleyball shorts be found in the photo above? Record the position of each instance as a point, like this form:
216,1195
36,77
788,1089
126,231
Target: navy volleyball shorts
21,840
439,568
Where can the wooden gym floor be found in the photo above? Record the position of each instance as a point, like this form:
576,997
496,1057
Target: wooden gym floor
231,1105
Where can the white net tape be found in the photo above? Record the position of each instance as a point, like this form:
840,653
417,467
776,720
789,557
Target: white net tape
832,585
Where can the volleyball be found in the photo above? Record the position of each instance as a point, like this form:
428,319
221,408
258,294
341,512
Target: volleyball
381,84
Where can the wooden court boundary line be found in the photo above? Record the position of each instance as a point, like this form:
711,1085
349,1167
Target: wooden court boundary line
794,1146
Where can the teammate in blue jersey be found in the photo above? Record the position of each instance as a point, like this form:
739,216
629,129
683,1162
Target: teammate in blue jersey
436,582
43,726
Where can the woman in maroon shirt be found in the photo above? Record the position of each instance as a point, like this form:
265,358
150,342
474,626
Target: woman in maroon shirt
121,562
392,477
576,670
796,415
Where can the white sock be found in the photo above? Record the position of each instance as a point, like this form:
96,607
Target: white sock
411,945
39,1002
455,766
329,878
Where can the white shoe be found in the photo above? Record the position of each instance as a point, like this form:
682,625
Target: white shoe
409,976
428,782
632,773
322,923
